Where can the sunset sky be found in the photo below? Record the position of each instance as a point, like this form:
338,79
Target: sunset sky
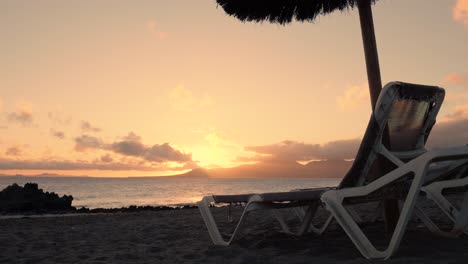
156,87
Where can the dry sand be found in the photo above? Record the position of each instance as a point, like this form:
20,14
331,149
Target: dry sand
180,236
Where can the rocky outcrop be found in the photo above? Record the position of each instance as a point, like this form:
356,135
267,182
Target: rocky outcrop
30,198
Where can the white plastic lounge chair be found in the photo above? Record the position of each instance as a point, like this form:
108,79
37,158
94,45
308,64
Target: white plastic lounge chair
411,171
409,112
416,169
454,181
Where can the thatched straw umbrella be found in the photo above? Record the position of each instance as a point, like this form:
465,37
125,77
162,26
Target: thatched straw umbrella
286,11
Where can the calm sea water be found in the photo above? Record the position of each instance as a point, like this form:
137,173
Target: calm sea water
119,192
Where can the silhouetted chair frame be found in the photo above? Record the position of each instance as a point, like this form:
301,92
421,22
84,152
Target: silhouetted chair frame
455,183
410,159
418,167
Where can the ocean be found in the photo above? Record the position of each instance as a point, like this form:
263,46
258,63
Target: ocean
122,192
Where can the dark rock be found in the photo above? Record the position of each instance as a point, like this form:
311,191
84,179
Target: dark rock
30,198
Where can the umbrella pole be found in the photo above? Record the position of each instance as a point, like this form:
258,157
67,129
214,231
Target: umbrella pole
370,50
391,210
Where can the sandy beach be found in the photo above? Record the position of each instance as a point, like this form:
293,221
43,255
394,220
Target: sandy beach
180,236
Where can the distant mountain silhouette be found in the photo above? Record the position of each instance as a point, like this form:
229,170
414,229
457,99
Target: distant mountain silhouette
315,169
195,173
272,169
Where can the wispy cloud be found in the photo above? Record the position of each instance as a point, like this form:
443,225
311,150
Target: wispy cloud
9,164
155,30
455,78
183,99
59,118
107,158
57,134
105,163
87,127
355,96
289,150
13,151
23,114
460,112
460,12
449,134
84,142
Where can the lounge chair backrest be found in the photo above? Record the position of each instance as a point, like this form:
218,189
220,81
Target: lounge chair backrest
407,113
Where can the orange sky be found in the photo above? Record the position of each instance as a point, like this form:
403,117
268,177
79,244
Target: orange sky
121,88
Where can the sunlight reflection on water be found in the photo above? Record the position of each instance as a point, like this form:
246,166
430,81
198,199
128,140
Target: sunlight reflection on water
119,192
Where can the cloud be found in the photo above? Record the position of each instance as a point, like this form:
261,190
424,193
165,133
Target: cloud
13,151
183,99
57,134
444,134
131,136
58,118
454,78
107,158
106,163
217,139
87,127
154,29
340,149
157,153
452,96
7,164
23,114
461,112
354,96
459,79
85,142
289,150
132,146
128,148
449,134
460,12
24,118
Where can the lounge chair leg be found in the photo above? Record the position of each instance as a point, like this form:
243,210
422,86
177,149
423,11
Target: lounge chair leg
334,203
213,230
321,229
426,220
300,212
378,212
407,210
355,215
461,223
230,213
305,221
458,217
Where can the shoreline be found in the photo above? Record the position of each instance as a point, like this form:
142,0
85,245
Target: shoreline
88,211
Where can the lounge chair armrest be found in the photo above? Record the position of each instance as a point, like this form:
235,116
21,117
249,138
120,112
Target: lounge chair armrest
419,164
